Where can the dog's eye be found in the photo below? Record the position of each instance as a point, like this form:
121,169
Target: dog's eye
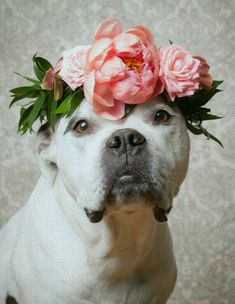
162,116
81,126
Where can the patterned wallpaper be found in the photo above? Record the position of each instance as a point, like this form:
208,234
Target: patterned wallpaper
202,221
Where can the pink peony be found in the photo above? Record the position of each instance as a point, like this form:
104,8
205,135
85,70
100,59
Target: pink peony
179,71
121,67
73,66
205,78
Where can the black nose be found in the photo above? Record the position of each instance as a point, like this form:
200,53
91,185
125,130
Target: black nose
125,140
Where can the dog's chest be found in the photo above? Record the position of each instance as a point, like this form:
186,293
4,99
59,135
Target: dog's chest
120,264
122,269
125,292
128,240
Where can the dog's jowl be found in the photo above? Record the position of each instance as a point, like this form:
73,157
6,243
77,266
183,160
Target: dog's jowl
94,229
10,300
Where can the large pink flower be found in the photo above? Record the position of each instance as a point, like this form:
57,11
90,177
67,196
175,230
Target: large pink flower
121,67
73,66
179,71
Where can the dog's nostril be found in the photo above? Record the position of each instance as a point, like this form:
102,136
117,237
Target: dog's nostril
136,139
114,142
125,141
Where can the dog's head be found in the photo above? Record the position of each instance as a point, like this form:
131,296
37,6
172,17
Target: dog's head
142,158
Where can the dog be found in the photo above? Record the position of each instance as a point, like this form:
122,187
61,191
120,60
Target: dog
94,229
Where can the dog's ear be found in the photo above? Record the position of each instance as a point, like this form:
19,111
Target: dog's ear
46,149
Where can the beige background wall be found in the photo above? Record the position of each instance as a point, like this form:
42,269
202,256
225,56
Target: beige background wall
202,221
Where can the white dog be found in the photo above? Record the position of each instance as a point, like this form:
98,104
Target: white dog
94,229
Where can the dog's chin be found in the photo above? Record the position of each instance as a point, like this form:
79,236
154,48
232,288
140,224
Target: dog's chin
129,189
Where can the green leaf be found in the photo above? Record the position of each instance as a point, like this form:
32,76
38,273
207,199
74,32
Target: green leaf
23,91
75,102
210,117
128,109
70,103
52,105
23,129
216,83
40,65
36,82
14,100
208,135
40,75
194,129
42,116
65,105
24,113
43,63
198,130
36,109
192,103
32,94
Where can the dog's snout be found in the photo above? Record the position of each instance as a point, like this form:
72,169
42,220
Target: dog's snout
125,140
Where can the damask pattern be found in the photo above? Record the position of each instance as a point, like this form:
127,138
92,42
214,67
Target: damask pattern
202,220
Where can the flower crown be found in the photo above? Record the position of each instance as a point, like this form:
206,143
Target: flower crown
118,71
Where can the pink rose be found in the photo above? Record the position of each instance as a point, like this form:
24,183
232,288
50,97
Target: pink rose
121,67
205,78
73,67
179,71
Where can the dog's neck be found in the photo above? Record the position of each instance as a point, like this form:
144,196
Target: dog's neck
125,241
128,221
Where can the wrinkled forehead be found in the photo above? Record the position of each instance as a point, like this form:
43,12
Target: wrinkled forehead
141,113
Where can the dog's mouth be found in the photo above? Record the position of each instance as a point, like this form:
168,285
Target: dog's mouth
129,186
125,177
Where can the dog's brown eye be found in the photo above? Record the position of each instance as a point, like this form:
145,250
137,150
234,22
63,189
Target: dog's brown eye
162,116
81,126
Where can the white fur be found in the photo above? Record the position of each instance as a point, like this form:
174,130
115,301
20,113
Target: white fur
51,253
